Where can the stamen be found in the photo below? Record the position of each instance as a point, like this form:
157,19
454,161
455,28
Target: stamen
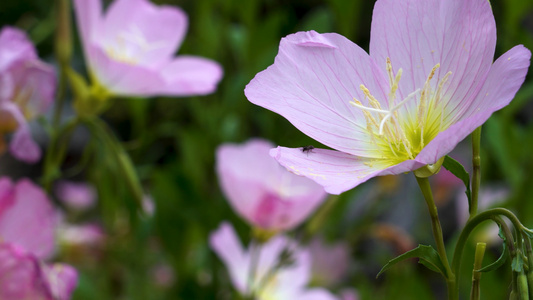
358,104
371,99
395,108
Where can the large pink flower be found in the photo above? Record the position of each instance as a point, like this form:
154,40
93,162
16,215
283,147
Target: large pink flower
130,50
288,282
263,192
428,82
27,88
27,221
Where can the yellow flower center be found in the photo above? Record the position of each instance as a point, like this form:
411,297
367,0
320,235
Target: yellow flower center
401,132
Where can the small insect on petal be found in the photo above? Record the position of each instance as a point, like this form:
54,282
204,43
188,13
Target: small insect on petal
308,149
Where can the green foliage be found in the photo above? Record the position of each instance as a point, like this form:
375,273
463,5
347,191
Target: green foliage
427,256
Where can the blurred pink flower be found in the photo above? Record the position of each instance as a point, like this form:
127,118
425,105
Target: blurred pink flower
330,262
289,282
130,49
27,218
260,190
24,277
427,83
27,221
85,235
76,195
27,88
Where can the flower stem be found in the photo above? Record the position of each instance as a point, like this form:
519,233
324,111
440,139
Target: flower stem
476,175
437,233
476,276
491,214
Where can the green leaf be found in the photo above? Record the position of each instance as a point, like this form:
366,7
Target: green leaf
459,171
498,263
427,256
518,262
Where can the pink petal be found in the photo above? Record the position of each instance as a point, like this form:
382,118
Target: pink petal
123,78
160,28
20,275
505,78
15,47
317,294
36,86
89,19
263,192
62,279
77,195
23,147
311,83
225,243
29,222
336,171
191,75
416,35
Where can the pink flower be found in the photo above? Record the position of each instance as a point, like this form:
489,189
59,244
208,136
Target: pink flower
261,191
289,282
427,83
27,221
24,277
130,50
27,88
27,217
77,195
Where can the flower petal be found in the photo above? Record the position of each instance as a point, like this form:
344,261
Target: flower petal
156,31
504,79
311,83
21,275
62,280
123,78
36,86
225,242
416,35
29,222
89,20
191,75
262,191
336,171
23,147
317,294
14,47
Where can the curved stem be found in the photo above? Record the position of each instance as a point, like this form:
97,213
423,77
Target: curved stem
437,233
476,174
491,214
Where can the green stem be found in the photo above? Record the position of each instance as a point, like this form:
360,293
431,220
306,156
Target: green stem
63,52
56,152
491,214
437,233
99,129
476,276
476,174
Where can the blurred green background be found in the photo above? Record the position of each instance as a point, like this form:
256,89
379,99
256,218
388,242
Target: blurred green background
172,143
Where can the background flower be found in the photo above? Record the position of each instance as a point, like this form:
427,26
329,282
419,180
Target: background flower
130,50
286,283
260,190
27,90
27,221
